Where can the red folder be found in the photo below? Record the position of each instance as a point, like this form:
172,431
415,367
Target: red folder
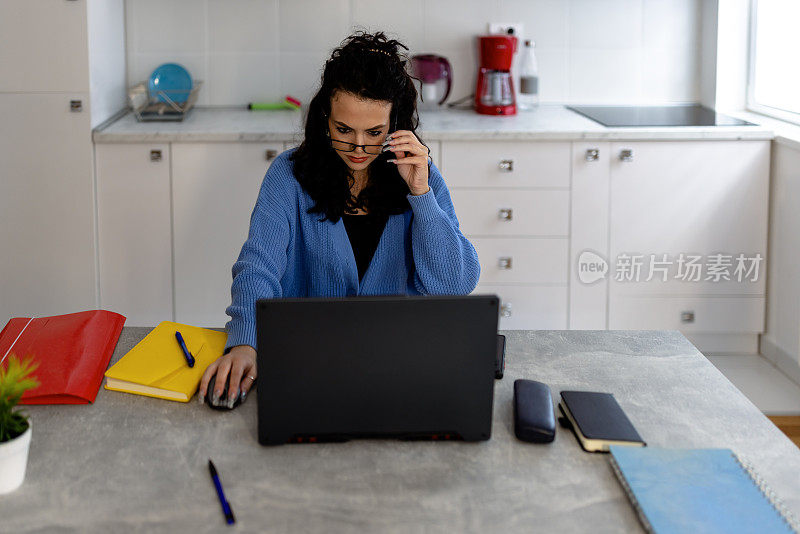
72,351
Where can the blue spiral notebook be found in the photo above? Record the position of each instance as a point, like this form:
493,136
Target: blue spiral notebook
697,490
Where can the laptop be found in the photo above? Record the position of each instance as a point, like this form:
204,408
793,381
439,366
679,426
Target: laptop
407,367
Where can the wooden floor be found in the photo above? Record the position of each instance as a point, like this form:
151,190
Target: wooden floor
789,425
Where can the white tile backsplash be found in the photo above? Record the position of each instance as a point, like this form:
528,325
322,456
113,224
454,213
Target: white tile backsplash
454,24
242,78
177,26
243,26
671,74
605,75
553,73
545,21
605,23
589,51
301,74
309,25
670,23
399,20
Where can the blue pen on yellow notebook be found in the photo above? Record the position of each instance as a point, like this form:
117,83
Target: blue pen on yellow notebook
186,353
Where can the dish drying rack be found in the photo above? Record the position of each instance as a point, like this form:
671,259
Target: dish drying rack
147,107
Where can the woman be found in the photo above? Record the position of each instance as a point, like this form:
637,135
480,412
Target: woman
357,208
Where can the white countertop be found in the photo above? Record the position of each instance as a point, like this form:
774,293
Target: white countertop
548,122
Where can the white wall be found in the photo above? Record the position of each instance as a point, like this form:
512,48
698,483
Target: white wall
733,42
106,34
709,29
589,51
781,341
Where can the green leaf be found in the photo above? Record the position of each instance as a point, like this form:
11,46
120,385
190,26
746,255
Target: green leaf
15,380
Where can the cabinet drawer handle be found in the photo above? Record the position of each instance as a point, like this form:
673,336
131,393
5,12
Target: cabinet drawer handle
687,317
505,214
592,154
626,154
504,263
155,155
507,165
271,154
76,105
505,309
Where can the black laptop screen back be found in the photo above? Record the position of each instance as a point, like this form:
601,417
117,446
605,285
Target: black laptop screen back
376,367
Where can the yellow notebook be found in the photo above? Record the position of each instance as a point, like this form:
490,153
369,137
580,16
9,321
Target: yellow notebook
156,367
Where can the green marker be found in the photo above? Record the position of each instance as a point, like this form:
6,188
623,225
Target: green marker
262,106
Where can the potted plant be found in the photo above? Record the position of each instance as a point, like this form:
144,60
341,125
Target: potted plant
15,428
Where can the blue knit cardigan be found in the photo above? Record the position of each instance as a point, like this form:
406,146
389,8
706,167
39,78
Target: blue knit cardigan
290,253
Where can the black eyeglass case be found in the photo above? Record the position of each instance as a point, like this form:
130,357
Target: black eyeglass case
534,419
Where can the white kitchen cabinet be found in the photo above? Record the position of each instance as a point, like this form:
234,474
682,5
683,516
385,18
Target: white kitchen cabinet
43,46
50,84
588,289
514,260
513,203
507,164
436,153
46,207
723,315
215,186
699,198
707,200
533,307
510,212
134,231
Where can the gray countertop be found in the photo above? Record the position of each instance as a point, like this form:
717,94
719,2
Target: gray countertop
548,122
131,463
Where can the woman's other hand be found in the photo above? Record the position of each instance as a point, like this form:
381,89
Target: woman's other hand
240,362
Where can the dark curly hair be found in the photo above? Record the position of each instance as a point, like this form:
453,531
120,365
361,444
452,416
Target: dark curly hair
371,67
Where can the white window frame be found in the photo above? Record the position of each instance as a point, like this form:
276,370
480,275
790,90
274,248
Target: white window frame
752,105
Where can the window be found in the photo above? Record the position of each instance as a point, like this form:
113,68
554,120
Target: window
774,79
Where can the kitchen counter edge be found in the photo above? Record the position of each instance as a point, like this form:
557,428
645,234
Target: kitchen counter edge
553,123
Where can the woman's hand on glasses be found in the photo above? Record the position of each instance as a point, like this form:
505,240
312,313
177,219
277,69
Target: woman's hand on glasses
411,158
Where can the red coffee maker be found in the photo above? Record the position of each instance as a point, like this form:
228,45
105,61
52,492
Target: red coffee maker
494,94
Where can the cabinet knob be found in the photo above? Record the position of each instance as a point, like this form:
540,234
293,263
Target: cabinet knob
505,214
155,155
76,105
687,317
626,154
592,154
271,154
505,309
504,263
506,165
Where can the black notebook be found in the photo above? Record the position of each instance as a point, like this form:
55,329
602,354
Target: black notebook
598,421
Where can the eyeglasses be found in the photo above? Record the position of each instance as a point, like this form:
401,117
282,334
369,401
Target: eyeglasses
344,146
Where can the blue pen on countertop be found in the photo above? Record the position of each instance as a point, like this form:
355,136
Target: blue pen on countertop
186,353
226,507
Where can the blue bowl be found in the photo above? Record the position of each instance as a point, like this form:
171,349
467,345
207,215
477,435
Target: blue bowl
174,80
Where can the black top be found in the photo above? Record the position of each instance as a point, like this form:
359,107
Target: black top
364,232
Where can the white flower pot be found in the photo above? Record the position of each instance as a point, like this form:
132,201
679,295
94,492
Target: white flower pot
14,460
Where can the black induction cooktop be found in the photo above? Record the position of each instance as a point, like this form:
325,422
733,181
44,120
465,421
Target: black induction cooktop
676,115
